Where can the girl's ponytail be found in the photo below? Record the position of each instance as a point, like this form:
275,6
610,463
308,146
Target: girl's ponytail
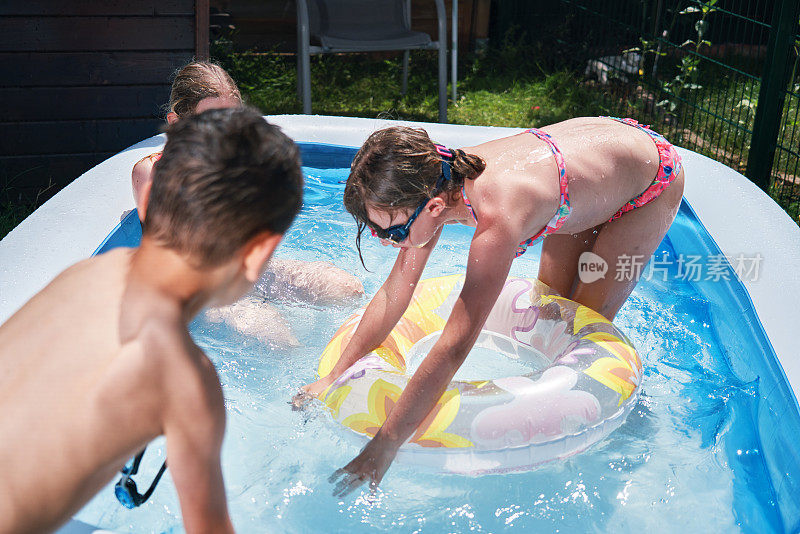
468,166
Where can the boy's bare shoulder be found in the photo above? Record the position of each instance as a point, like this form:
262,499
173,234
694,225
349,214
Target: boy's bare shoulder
188,378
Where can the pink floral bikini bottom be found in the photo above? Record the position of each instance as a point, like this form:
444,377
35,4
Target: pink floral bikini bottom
668,169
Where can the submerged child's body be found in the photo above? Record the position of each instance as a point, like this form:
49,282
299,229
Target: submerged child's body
589,184
197,87
100,362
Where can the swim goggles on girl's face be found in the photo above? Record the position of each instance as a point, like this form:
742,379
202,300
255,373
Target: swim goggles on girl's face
126,491
398,233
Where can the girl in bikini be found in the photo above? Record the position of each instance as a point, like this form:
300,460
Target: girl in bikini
602,185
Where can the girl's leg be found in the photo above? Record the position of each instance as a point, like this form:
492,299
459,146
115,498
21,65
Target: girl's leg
634,236
558,267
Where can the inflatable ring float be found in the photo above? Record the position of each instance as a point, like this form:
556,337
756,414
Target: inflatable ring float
583,381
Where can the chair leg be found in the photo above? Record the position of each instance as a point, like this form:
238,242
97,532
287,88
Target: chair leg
404,87
299,79
454,49
441,17
303,56
306,60
442,81
304,81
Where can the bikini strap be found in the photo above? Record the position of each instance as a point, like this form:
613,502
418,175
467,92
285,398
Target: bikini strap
468,204
627,120
544,136
563,211
562,166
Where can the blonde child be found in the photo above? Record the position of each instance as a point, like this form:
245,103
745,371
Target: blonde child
202,85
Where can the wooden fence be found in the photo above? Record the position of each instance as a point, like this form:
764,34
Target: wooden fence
82,80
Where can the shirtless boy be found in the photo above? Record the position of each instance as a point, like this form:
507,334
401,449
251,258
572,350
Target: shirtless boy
100,362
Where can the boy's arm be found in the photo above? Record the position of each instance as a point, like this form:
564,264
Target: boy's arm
195,427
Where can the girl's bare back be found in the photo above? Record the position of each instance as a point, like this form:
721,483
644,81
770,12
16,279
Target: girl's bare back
607,164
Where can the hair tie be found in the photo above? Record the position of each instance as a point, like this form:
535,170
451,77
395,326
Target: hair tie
444,152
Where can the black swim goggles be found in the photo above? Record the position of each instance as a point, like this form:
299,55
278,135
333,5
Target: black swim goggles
398,233
126,491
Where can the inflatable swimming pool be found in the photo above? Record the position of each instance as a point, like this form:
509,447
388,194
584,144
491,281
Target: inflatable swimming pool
742,323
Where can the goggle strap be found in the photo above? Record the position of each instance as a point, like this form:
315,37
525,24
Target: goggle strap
134,468
399,231
445,177
139,499
152,487
447,156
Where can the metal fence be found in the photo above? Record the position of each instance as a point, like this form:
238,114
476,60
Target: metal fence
720,77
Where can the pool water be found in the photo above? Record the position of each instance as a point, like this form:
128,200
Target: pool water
689,456
482,363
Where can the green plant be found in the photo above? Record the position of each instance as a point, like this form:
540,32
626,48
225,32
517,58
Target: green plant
514,84
686,78
15,206
793,85
13,213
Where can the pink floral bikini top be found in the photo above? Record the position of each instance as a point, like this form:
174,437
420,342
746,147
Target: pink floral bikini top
561,215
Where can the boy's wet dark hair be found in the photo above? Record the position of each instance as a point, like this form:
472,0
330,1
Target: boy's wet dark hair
226,175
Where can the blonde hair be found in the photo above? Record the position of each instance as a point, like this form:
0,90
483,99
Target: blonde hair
199,80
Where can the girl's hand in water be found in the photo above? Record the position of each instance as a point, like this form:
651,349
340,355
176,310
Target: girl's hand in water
311,391
368,467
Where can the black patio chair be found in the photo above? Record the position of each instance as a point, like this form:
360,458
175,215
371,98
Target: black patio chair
341,26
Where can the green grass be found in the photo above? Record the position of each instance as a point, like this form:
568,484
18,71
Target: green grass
523,94
16,206
13,213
